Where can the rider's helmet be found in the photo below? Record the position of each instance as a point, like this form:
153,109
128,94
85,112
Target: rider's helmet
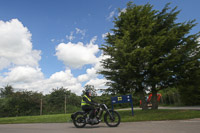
88,91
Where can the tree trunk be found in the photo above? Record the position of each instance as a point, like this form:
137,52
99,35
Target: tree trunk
154,99
144,103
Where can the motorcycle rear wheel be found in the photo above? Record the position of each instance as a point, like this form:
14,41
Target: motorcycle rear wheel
79,121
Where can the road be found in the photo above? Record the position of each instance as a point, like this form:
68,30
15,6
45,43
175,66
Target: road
176,108
184,107
175,126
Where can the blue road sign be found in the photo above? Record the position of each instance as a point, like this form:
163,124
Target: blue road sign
122,99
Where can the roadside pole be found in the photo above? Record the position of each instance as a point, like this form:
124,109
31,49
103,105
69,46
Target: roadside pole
65,103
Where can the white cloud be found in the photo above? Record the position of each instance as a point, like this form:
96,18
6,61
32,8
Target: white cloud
64,79
24,77
20,61
28,78
83,78
98,83
52,40
98,66
93,40
79,31
4,63
16,46
104,35
77,55
63,76
24,74
91,73
111,15
70,37
123,10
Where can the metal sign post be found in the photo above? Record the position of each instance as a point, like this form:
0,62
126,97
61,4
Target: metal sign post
122,99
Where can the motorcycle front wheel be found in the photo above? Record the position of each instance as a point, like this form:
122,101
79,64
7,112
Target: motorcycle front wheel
113,120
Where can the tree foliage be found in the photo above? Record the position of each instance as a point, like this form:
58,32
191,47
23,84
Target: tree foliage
21,103
7,91
149,50
56,99
189,89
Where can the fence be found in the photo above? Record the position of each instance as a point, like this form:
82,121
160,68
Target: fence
22,106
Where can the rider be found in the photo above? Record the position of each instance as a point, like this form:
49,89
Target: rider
87,104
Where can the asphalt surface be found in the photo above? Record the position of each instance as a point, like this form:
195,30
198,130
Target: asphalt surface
175,126
173,108
185,107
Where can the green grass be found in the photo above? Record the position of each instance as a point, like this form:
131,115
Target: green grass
58,118
156,115
150,115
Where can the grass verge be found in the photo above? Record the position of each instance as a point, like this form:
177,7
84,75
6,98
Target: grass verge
58,118
157,115
149,115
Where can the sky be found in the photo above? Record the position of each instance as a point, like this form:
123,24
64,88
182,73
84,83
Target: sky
46,44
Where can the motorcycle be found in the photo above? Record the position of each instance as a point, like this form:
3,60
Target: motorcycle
111,117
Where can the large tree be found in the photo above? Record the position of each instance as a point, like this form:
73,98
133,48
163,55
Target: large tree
189,88
149,50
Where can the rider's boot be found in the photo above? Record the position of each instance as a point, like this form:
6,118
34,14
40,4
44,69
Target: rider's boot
87,120
95,120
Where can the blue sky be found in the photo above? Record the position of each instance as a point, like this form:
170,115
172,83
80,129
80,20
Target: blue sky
54,30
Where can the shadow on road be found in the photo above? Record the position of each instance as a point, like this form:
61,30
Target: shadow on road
91,127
